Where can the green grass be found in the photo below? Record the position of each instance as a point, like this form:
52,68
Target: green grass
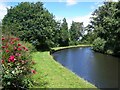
66,47
51,74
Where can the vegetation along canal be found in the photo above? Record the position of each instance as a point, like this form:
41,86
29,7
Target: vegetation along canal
99,69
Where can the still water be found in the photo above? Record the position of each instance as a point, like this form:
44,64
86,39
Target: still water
99,69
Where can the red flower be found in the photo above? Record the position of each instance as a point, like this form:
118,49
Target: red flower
11,58
12,38
18,54
19,44
19,49
33,71
3,46
3,39
17,39
11,42
7,45
7,50
2,61
15,48
24,47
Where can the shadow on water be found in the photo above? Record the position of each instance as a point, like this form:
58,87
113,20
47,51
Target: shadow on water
100,69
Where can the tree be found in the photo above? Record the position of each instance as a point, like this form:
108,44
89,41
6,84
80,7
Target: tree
64,34
31,22
76,31
106,25
98,44
90,36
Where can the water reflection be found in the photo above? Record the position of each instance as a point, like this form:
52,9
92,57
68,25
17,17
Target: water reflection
97,68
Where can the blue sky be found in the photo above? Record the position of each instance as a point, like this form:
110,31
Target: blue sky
61,9
70,9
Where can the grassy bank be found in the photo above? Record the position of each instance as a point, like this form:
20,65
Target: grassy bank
67,47
50,74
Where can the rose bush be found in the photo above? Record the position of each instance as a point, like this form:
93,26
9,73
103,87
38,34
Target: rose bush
16,64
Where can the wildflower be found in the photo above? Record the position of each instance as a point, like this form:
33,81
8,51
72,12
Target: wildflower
17,39
26,49
11,42
2,61
33,71
11,58
15,48
19,44
19,49
7,50
3,39
17,54
3,46
12,38
7,45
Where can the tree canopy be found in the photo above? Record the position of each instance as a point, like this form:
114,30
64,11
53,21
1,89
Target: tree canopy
64,34
76,31
31,22
105,24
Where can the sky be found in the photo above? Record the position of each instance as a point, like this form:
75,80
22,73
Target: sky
72,10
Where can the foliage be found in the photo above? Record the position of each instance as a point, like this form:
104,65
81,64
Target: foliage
90,36
76,31
28,45
31,22
16,64
98,44
64,34
105,24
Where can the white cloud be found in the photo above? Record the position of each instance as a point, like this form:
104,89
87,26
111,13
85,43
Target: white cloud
96,5
3,10
71,2
85,19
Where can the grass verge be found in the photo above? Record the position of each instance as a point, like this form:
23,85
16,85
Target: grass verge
67,47
51,74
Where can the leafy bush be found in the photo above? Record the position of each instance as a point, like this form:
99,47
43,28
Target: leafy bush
28,45
16,64
98,44
71,43
31,22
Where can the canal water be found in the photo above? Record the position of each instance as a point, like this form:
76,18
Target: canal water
98,69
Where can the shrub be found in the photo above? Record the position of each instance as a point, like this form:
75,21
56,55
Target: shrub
31,22
28,45
98,44
16,64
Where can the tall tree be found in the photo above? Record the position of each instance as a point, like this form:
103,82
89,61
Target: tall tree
76,31
90,36
64,34
106,25
31,22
